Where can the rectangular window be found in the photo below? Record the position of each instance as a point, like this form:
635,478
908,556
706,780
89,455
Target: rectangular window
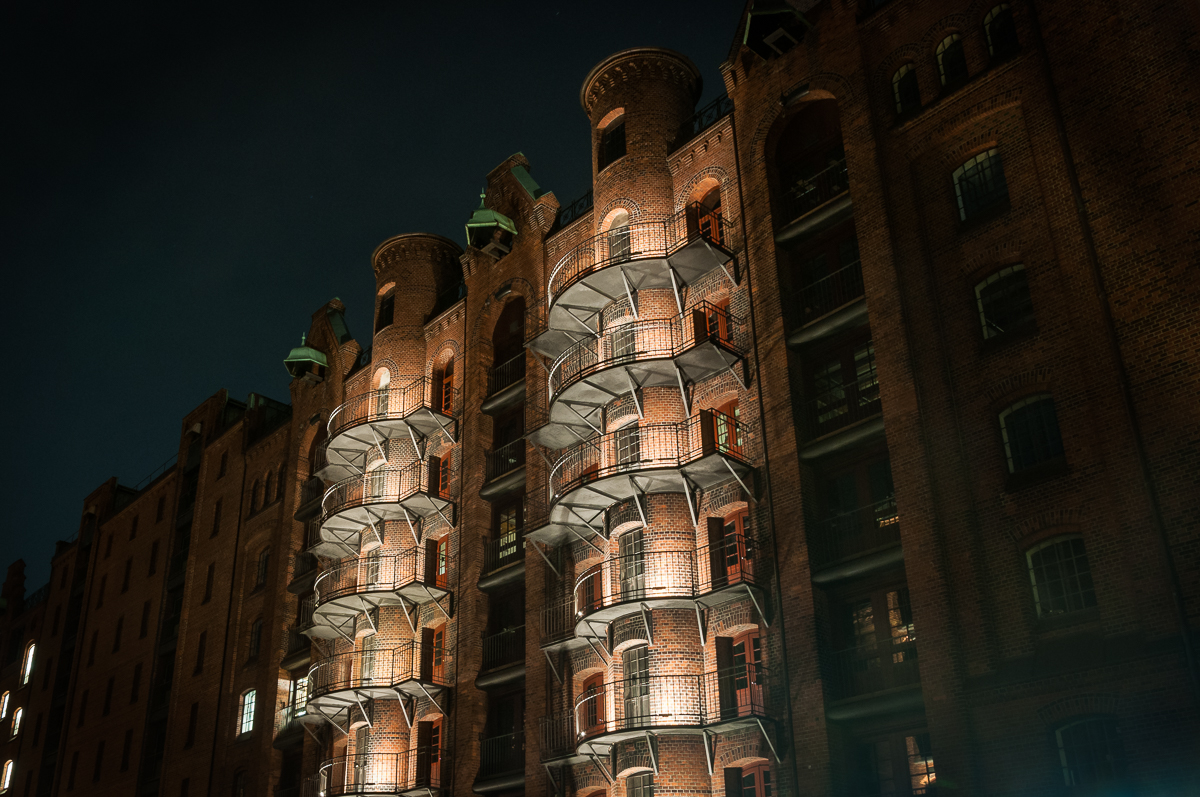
160,509
1030,432
108,690
144,628
628,442
208,583
126,748
216,523
136,686
100,591
71,771
844,387
153,558
99,761
133,528
223,464
117,634
200,652
128,573
631,547
83,701
92,648
640,785
636,685
246,721
193,721
624,343
1004,302
979,185
387,311
1061,577
612,144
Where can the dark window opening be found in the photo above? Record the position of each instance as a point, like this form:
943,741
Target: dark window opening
612,144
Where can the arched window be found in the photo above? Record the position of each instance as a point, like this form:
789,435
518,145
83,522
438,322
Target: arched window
704,217
1060,576
1030,432
6,776
4,700
255,638
980,185
246,711
1001,32
952,62
591,715
750,781
27,664
443,388
385,316
255,494
383,380
18,715
267,493
619,245
1004,302
1090,752
905,91
239,783
508,347
264,562
612,143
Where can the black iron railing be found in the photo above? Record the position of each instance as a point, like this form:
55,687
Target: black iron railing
503,551
311,491
405,396
844,535
289,713
558,621
558,736
573,210
813,187
703,119
382,773
500,755
296,643
845,396
877,668
506,374
504,459
504,648
387,485
381,669
383,573
830,292
35,598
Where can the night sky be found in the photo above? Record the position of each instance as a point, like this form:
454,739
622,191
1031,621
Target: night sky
185,185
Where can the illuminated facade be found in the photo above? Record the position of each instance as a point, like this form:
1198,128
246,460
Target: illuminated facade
830,444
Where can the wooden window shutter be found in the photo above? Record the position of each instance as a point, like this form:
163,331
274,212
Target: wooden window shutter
431,561
716,552
699,326
426,655
733,782
708,432
434,479
424,758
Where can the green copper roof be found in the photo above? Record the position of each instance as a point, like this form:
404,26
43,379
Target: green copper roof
482,217
300,358
526,180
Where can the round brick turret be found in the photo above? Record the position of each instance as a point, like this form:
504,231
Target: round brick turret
417,266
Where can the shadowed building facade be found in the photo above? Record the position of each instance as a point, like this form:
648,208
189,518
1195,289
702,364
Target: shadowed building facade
840,440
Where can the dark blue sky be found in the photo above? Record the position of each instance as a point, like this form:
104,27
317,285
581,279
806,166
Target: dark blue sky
184,186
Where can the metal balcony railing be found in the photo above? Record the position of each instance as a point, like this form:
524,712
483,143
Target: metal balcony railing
558,621
650,340
840,536
662,575
672,701
296,643
382,773
289,713
876,668
304,617
503,551
573,210
558,736
504,648
703,119
830,292
302,564
386,485
381,669
399,400
506,373
499,755
813,187
381,573
653,446
504,459
310,490
642,240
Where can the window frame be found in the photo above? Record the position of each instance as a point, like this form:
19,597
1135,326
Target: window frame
904,110
1084,596
952,44
1109,725
991,330
27,663
989,20
247,705
989,163
1008,436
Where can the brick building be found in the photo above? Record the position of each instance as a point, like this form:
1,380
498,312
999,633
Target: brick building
841,440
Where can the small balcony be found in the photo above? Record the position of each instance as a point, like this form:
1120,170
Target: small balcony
705,341
506,384
661,253
557,737
416,772
701,452
410,405
309,504
387,493
298,650
872,680
844,394
353,586
620,585
501,763
848,544
503,469
350,679
726,699
501,558
814,198
829,304
290,720
504,648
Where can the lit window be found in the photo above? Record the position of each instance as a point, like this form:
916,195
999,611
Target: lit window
18,715
979,185
7,776
1090,751
1030,432
952,62
1001,32
4,698
640,785
619,243
246,715
628,445
1060,576
27,664
905,90
1004,302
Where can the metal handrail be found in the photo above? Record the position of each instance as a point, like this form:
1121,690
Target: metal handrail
843,404
573,210
289,713
506,373
648,340
662,445
386,485
403,397
502,460
866,670
655,701
810,189
382,773
558,621
504,647
502,753
650,238
380,669
661,575
842,535
830,292
382,573
503,551
558,736
703,119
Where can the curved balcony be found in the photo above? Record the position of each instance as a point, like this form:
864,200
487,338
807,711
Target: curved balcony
353,586
412,406
703,342
660,253
338,682
698,453
621,585
418,771
387,493
728,698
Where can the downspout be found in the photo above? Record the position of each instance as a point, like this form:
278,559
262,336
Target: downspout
1110,333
